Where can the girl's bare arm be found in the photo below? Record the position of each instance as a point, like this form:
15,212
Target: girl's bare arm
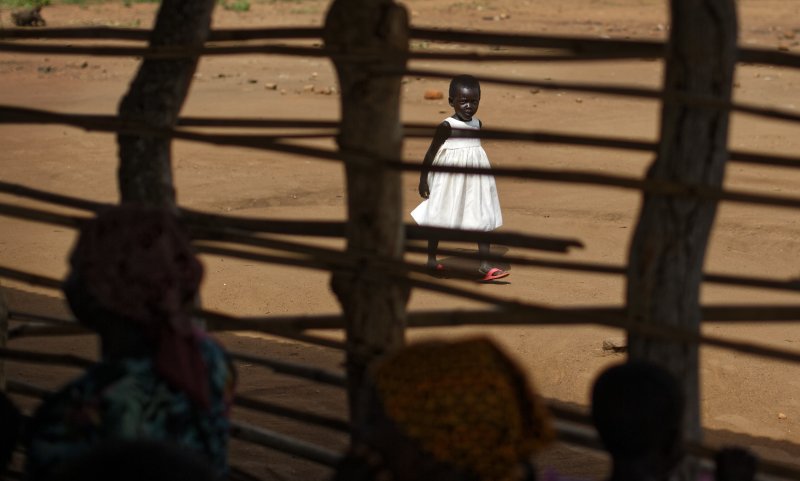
442,133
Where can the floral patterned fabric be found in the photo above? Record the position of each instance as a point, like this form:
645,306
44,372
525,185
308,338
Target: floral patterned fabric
127,399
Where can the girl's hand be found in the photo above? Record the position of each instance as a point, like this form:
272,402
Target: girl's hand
424,191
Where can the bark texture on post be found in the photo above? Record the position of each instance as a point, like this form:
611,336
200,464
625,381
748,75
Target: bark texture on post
373,304
669,245
155,97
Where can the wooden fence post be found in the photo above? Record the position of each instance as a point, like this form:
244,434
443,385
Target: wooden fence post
373,304
155,98
669,244
3,335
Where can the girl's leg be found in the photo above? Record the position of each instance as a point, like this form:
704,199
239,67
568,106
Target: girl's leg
433,246
483,252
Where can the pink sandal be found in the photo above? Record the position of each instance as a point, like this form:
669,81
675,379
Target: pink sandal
494,273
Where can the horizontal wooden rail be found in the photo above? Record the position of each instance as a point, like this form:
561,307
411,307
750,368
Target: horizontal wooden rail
562,176
575,177
218,322
633,48
275,144
298,51
204,220
791,284
587,45
44,358
516,312
413,232
335,256
109,123
142,35
175,53
26,389
40,215
612,90
285,444
165,53
281,367
579,47
28,317
322,376
208,221
30,278
32,330
112,123
50,197
209,224
716,313
292,413
571,177
38,325
33,325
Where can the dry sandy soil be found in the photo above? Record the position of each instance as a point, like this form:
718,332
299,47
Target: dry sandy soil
742,396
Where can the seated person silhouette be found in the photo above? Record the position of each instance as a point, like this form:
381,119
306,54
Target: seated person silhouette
133,280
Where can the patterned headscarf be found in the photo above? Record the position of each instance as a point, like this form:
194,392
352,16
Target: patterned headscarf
137,263
464,403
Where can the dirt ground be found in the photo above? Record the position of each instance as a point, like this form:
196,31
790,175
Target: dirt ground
745,399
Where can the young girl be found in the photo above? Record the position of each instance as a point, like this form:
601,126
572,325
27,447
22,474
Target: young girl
459,201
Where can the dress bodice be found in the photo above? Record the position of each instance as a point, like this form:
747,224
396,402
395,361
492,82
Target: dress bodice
457,142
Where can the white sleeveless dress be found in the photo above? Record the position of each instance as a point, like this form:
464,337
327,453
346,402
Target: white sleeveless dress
461,201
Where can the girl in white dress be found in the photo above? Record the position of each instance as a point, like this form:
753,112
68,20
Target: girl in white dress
459,201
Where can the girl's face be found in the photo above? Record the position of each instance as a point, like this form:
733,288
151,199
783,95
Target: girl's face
465,103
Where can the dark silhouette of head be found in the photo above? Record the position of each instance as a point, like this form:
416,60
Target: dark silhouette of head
637,409
134,277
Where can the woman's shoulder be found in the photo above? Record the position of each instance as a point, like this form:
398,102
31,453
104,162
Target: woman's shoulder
221,371
81,405
96,380
212,350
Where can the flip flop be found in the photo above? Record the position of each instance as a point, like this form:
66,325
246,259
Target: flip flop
494,273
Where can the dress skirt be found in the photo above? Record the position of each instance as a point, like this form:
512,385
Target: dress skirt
461,201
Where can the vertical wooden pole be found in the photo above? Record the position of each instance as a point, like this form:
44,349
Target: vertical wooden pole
155,98
669,244
3,335
373,304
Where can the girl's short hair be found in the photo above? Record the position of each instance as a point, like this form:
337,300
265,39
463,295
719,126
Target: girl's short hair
460,81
